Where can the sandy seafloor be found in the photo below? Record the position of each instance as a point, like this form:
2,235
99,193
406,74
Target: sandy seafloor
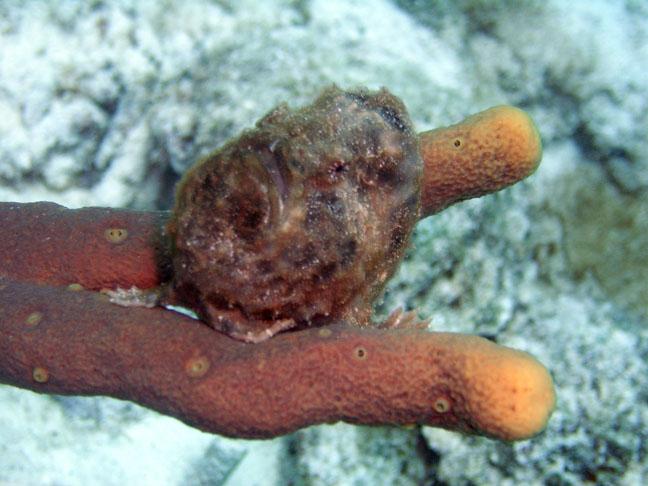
107,102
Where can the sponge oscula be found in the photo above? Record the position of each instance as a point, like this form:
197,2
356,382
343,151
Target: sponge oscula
484,153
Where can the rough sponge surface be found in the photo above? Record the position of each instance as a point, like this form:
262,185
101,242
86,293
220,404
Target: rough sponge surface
482,154
90,247
510,391
337,373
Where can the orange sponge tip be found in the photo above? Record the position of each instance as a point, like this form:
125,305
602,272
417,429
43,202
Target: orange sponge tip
484,153
513,395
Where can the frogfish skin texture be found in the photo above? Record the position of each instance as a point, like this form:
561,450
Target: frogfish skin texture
301,220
